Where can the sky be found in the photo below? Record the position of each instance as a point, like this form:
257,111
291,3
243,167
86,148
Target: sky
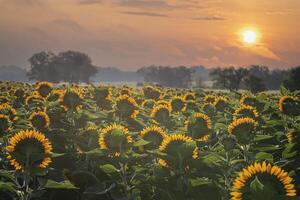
130,34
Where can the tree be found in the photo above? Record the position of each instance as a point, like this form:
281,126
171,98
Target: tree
42,67
167,76
254,83
228,78
69,66
292,82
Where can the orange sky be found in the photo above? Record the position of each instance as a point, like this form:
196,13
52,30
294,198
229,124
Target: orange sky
134,33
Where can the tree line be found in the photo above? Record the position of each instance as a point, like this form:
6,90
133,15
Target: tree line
73,66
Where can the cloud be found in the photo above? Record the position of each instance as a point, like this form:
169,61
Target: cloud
149,14
143,3
23,2
265,52
90,2
209,18
68,23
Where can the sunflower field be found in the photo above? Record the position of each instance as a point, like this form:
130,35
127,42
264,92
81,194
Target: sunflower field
98,142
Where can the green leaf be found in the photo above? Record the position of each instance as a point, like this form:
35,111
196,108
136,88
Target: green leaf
59,185
140,142
262,137
55,155
108,168
264,156
7,186
283,90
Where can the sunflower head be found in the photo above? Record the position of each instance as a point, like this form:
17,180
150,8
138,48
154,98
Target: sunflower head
190,96
39,120
220,103
5,124
126,107
177,104
154,135
191,106
266,179
44,88
151,92
245,111
209,109
55,95
125,91
248,100
102,93
243,129
72,99
178,145
209,99
161,113
293,136
8,110
148,103
33,99
29,149
199,126
115,139
289,105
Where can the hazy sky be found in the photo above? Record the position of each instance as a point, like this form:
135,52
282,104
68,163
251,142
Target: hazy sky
134,33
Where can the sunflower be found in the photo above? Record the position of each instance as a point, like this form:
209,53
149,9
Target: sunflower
209,108
39,120
242,129
209,98
126,107
115,139
44,88
102,93
245,111
5,124
151,92
177,103
55,95
125,91
248,100
148,103
199,126
282,182
288,104
153,134
72,99
190,96
175,145
161,113
191,105
32,98
220,103
292,135
8,110
29,148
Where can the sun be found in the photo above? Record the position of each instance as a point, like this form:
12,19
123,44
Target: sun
249,36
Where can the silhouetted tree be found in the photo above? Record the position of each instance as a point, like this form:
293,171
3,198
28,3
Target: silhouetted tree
42,67
293,80
254,83
167,76
69,66
228,78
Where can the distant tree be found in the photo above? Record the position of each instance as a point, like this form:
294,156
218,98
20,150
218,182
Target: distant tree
167,76
228,78
69,66
293,80
42,67
254,83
